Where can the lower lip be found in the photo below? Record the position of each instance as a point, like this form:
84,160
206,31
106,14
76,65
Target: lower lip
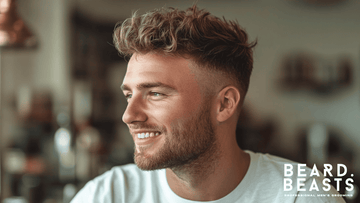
146,141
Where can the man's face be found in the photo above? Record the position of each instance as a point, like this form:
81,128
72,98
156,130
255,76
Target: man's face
167,116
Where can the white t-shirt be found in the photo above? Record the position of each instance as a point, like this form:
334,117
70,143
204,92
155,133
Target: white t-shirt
263,182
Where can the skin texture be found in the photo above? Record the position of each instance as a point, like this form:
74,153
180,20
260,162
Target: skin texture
197,143
183,138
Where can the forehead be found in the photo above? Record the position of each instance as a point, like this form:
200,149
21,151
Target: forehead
158,68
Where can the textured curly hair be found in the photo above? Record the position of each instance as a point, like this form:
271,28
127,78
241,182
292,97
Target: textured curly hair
213,43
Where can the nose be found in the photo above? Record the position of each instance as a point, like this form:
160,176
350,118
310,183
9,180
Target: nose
134,111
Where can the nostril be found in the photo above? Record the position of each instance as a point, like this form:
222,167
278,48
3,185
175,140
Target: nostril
127,116
134,113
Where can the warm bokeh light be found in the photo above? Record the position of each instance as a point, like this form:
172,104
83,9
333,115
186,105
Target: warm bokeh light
62,140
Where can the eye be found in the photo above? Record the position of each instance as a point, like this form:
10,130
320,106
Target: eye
157,95
128,96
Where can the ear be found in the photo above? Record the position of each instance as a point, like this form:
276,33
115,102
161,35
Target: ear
227,103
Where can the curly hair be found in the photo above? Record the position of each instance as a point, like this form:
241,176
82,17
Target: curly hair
214,43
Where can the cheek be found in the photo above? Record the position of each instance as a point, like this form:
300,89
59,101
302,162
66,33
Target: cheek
185,109
172,112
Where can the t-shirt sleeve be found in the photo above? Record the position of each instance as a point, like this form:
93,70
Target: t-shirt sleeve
86,194
102,188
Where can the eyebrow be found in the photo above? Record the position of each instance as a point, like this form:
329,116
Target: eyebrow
148,85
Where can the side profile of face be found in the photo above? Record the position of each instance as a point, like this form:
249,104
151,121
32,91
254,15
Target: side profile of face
167,116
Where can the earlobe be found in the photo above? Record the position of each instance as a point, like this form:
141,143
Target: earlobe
229,99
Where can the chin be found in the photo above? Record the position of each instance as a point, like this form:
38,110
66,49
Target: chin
153,162
146,164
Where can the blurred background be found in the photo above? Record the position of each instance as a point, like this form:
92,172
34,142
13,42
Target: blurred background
61,103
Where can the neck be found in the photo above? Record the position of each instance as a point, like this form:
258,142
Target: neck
212,176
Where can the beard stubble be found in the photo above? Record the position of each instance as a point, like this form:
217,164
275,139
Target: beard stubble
190,139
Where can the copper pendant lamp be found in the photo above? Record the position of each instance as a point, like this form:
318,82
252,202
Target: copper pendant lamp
13,31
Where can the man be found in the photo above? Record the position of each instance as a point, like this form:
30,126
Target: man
185,84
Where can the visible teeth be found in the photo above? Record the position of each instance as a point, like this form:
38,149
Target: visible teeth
146,135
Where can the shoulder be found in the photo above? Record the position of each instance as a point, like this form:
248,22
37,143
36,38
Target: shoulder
270,163
287,180
117,175
278,166
120,179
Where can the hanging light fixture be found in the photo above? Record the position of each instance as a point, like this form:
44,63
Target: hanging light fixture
13,31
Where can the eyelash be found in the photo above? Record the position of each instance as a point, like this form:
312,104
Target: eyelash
154,93
128,96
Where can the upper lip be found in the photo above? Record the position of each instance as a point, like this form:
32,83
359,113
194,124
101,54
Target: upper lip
143,131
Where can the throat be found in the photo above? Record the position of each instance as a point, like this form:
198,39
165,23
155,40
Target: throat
196,170
196,180
194,175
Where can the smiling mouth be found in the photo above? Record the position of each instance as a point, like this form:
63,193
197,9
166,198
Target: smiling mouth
147,135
